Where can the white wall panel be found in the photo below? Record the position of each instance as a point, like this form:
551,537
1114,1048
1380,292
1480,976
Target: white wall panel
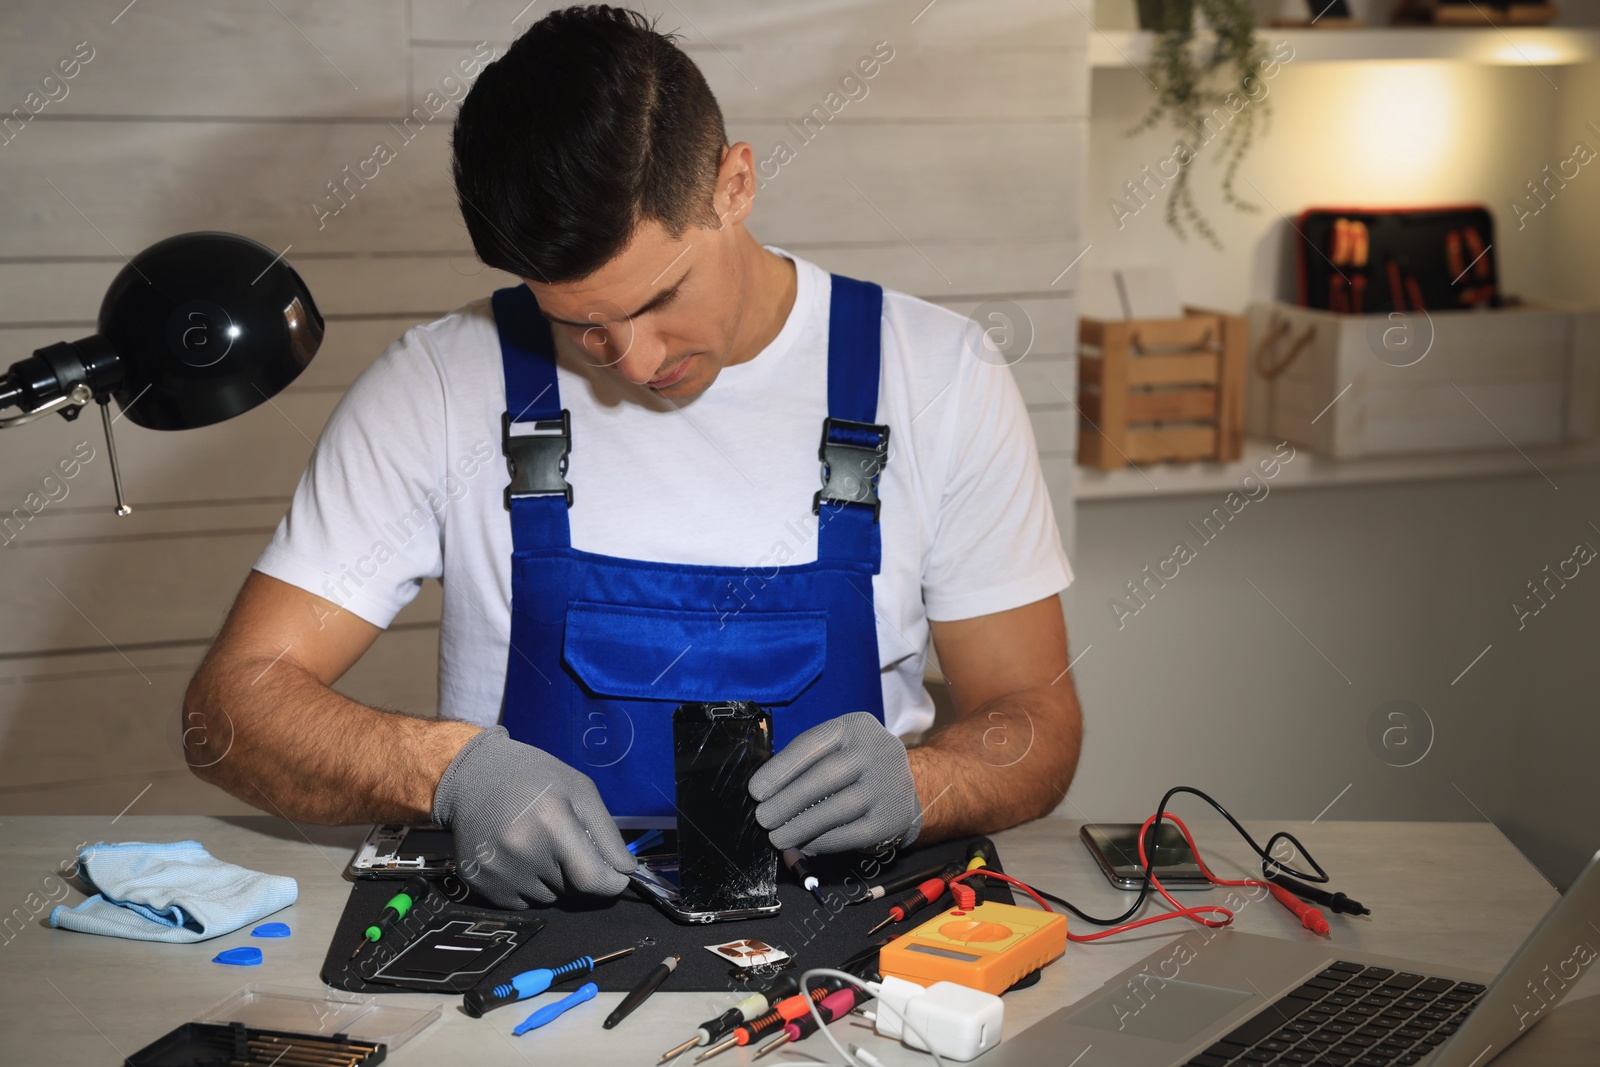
816,24
267,180
950,79
198,57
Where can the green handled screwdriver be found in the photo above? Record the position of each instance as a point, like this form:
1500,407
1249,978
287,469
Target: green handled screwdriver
399,904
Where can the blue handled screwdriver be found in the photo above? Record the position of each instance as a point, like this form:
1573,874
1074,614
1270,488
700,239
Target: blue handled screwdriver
550,1012
531,983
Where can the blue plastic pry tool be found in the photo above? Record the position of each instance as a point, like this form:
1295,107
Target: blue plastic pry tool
248,956
646,840
550,1012
271,930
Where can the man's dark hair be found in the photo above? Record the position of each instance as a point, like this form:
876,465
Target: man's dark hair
590,124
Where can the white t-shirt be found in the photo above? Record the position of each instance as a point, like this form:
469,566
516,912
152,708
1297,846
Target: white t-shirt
407,483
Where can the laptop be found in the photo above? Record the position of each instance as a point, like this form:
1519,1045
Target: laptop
1221,998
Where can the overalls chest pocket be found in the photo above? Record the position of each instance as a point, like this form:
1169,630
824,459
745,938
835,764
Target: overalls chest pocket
668,654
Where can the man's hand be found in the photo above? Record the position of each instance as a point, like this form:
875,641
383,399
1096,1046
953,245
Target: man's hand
843,784
527,825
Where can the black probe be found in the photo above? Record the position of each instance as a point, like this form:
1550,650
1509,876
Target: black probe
894,885
1335,902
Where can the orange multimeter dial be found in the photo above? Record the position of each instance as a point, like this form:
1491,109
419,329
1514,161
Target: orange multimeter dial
990,947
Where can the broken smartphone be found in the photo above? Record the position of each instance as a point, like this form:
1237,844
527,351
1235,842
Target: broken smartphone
726,866
394,850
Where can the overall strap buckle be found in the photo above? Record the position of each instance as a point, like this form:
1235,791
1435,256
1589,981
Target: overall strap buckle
537,461
853,456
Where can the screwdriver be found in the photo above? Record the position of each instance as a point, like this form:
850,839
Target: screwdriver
795,860
393,912
641,992
550,1012
784,1011
924,894
748,1008
833,1006
532,983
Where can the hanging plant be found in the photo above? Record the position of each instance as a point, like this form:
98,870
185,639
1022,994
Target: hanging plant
1208,90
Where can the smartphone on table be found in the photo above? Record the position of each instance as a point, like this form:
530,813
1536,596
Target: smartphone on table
1115,847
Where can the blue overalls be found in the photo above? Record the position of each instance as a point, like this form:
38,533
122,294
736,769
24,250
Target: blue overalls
604,648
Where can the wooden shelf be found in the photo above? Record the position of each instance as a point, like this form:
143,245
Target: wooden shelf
1542,46
1307,471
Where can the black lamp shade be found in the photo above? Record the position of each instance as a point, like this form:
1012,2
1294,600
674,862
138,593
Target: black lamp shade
206,326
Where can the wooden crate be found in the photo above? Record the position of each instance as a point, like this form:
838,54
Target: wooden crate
1155,390
1473,381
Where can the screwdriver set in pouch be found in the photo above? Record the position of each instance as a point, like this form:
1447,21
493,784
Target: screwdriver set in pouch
214,1045
261,1024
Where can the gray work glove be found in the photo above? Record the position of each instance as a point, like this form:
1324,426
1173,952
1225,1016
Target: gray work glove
843,784
526,825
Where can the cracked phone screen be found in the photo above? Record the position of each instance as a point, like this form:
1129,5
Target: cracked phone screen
725,859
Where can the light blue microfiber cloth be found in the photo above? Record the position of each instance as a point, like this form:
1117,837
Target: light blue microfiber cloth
175,892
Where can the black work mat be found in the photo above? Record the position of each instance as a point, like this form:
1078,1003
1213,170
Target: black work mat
814,934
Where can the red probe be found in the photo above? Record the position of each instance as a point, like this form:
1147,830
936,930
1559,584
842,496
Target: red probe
923,895
1309,917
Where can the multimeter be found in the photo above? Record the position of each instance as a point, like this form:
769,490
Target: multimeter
990,947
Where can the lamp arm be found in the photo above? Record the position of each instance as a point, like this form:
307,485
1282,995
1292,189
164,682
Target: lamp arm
79,396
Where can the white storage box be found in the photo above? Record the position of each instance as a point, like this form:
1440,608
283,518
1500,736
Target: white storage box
1348,386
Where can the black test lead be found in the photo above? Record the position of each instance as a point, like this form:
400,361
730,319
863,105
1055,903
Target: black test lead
658,974
795,860
1335,902
395,910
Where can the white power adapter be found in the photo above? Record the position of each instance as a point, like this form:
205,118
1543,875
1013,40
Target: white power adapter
960,1023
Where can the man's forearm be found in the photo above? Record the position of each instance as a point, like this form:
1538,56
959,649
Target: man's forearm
274,736
1009,761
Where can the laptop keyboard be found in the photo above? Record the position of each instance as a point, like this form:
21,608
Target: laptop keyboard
1350,1015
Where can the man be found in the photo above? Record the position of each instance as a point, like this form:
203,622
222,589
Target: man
658,384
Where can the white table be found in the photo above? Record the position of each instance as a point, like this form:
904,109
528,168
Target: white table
1451,893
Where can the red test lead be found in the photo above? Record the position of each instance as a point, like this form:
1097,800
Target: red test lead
1309,916
923,895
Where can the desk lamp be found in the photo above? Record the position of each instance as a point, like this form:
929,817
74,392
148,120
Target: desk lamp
194,330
